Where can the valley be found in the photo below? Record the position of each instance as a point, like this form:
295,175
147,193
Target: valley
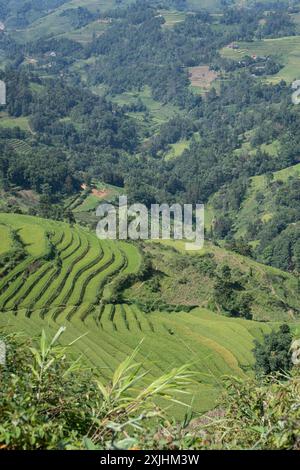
166,102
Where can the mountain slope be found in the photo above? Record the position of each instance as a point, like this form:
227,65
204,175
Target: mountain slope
55,275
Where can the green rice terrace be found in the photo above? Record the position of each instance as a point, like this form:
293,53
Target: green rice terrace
286,51
52,275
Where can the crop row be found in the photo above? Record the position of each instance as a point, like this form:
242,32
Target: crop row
64,273
93,275
20,146
74,269
79,273
44,270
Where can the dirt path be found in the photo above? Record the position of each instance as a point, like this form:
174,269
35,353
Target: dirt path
100,193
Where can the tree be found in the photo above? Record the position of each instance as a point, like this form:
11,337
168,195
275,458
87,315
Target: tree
230,295
273,355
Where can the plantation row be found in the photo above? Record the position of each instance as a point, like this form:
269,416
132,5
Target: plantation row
62,266
20,146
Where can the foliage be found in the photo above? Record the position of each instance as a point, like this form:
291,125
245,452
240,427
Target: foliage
257,416
51,402
251,415
274,355
48,401
229,295
42,398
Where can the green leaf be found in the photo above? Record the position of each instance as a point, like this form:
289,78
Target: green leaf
88,444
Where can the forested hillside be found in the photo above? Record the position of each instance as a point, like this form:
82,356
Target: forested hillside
119,106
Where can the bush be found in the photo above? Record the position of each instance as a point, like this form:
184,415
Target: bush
260,416
273,355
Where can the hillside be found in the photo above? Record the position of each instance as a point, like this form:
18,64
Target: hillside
53,274
81,19
266,208
189,280
267,218
286,51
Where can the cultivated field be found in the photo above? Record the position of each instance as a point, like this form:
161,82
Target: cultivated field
158,112
55,275
172,17
90,199
202,77
286,50
55,260
10,122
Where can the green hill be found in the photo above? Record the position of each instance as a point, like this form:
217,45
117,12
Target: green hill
62,17
187,280
266,208
58,17
267,218
52,274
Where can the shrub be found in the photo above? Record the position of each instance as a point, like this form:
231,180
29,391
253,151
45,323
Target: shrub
257,415
273,355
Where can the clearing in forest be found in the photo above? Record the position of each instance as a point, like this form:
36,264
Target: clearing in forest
202,77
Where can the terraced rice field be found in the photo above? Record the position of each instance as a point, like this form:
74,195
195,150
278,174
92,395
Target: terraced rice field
172,17
64,278
20,146
212,347
62,266
286,50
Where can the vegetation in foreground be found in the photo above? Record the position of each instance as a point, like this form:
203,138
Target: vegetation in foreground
48,401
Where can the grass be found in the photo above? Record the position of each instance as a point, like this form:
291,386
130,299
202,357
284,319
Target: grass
31,230
89,204
172,17
176,150
271,149
11,122
5,237
286,50
37,88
